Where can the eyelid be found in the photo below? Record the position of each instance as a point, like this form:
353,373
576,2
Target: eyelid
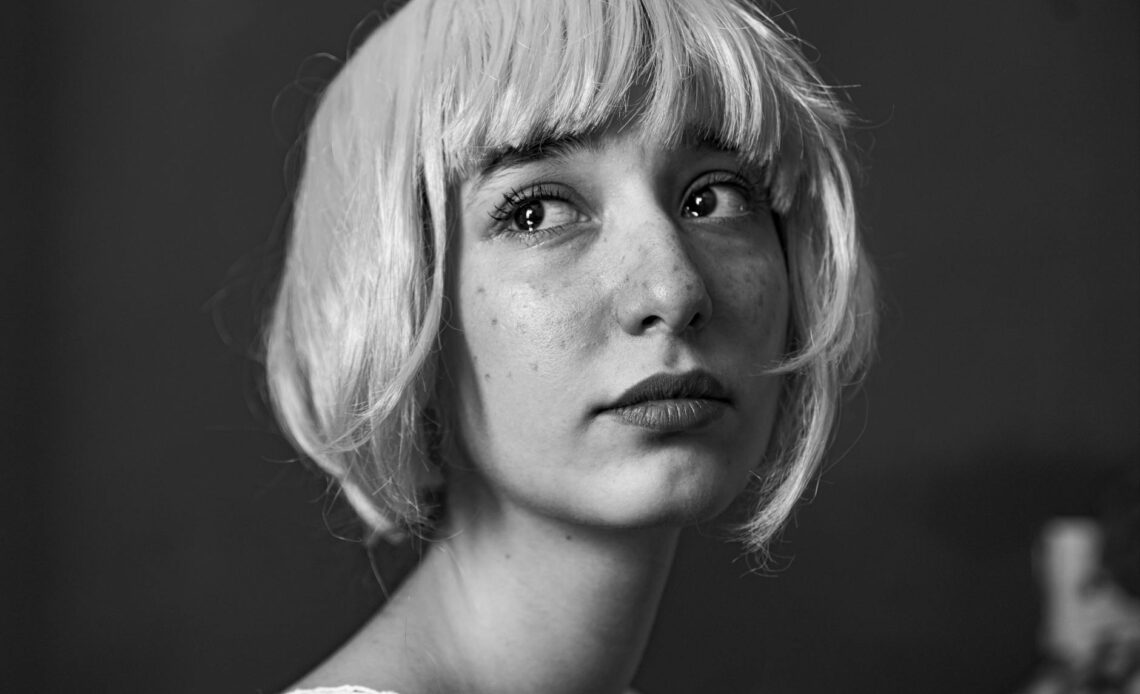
515,198
739,176
751,185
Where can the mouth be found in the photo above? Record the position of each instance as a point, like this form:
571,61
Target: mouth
671,402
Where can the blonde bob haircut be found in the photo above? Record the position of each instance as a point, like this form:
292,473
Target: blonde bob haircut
353,342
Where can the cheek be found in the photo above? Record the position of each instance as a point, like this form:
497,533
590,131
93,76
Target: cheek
517,364
752,289
523,345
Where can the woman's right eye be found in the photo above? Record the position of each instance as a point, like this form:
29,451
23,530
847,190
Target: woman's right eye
543,214
536,211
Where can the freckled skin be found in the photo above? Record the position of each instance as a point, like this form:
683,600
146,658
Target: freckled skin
562,327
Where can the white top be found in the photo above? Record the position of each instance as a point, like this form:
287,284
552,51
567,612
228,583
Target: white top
351,689
348,689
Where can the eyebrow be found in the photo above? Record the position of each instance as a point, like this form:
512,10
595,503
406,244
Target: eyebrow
537,149
544,148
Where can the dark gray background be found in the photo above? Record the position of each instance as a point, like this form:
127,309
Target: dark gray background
155,539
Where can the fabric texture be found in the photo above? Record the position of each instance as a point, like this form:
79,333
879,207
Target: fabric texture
356,690
349,689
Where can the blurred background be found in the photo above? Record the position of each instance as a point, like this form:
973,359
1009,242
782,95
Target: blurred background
156,536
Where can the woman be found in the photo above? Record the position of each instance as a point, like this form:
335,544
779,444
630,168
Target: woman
564,278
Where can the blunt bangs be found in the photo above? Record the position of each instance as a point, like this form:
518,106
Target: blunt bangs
535,71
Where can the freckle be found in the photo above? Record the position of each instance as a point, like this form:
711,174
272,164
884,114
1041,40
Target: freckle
569,538
481,290
534,366
494,321
487,377
508,374
506,556
562,344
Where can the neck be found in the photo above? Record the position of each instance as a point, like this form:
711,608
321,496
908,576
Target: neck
510,601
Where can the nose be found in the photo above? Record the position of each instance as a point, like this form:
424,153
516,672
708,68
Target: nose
663,288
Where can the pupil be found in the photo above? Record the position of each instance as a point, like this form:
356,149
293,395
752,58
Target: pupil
529,216
702,203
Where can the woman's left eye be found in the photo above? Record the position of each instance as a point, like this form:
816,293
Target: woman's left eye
717,200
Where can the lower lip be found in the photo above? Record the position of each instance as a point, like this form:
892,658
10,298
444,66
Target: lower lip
671,415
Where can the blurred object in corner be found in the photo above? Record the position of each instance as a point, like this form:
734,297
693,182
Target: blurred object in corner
1089,571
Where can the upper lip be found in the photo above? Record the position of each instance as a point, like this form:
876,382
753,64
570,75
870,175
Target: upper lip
696,385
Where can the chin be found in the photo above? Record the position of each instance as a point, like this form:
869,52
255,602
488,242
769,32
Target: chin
675,491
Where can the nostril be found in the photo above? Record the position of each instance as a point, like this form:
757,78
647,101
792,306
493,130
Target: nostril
650,321
699,320
696,320
664,287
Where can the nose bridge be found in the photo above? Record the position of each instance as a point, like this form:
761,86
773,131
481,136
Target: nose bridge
664,284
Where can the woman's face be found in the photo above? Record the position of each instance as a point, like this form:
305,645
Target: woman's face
580,269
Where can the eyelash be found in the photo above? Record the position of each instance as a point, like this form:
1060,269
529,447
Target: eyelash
737,179
752,187
519,197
